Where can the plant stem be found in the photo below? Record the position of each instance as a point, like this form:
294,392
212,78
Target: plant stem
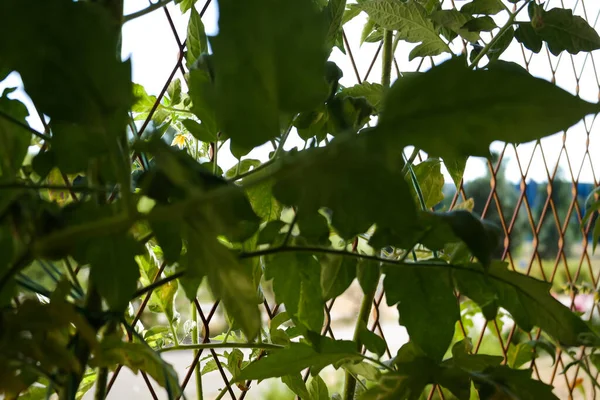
195,342
174,333
157,284
147,10
387,59
367,301
102,377
24,126
222,345
363,318
93,304
506,27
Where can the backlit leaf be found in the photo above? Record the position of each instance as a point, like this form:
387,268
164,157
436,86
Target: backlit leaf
373,92
335,172
268,57
14,140
431,181
136,357
337,273
113,268
410,20
451,107
296,283
529,302
425,299
563,31
527,36
299,356
318,389
487,7
196,38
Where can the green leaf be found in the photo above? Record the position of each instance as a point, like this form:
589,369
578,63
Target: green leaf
364,369
335,172
504,382
136,357
411,22
199,131
89,379
481,237
520,354
298,356
368,273
454,20
529,302
462,357
313,227
174,91
501,44
430,178
196,42
486,7
270,232
14,140
481,24
228,278
264,204
425,299
318,389
337,273
296,385
563,31
372,342
162,299
201,91
72,74
242,167
113,268
185,5
451,106
268,57
296,283
334,12
414,372
143,101
373,92
456,168
528,37
168,234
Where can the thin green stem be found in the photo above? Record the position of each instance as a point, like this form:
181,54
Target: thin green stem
506,27
367,302
24,126
147,10
175,109
387,58
73,275
195,338
157,284
222,345
361,321
214,160
75,188
173,333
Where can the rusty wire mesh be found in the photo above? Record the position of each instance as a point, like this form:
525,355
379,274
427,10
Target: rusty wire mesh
574,156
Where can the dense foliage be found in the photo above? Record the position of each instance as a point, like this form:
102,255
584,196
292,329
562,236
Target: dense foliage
112,197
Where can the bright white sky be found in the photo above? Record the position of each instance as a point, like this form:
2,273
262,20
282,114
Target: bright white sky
153,50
